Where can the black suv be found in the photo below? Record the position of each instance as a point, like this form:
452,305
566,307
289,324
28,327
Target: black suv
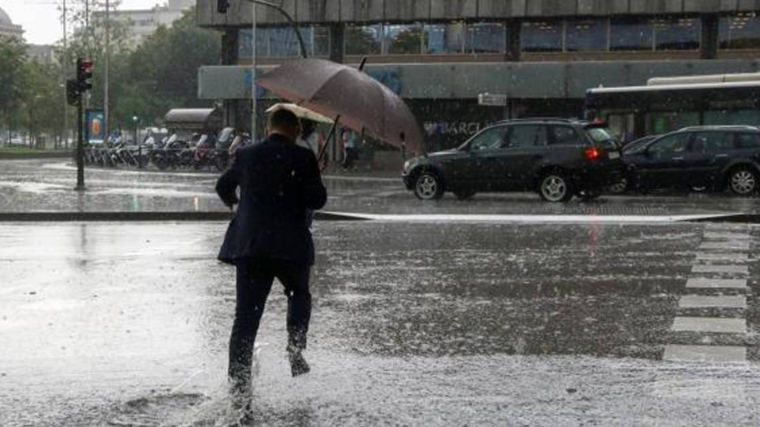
699,158
557,158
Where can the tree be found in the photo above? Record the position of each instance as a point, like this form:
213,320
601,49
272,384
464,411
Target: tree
12,80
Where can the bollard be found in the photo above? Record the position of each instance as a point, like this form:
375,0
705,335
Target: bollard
139,156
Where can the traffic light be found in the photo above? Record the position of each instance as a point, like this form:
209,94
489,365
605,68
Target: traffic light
72,92
222,6
84,74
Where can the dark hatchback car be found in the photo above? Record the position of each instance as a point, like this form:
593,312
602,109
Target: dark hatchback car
699,158
558,158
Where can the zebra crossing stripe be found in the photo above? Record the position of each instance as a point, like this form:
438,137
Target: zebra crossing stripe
726,245
727,269
725,236
703,301
704,283
733,257
709,324
705,353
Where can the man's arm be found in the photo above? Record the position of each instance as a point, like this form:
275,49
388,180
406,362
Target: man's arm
314,192
228,183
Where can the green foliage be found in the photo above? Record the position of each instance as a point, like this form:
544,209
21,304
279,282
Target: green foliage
145,80
13,80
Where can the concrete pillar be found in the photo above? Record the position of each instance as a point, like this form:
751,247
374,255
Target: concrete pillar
513,41
337,31
709,38
229,56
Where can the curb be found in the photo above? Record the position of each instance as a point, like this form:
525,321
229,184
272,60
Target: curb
145,216
32,156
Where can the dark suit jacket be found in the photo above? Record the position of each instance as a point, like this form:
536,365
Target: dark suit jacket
279,185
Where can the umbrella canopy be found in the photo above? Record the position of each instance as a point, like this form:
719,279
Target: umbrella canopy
300,112
335,89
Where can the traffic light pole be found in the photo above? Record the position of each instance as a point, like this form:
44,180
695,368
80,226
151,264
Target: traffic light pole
80,147
78,90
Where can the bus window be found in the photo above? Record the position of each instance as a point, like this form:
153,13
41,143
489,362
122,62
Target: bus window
670,121
733,117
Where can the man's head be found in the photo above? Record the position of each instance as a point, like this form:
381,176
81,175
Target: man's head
285,123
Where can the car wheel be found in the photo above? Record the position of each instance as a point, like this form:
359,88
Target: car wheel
554,187
619,187
464,195
742,181
428,186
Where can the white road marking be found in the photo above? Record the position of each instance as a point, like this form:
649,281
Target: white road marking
705,353
532,219
722,301
726,236
702,283
727,269
726,245
734,257
709,324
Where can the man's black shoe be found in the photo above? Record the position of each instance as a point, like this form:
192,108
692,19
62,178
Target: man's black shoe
298,365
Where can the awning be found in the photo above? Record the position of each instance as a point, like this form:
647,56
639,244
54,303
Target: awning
193,119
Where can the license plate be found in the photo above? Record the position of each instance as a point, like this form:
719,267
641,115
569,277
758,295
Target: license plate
614,155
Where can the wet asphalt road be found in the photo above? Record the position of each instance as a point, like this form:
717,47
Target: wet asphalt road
45,185
414,324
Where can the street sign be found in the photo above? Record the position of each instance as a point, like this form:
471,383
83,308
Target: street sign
95,126
492,99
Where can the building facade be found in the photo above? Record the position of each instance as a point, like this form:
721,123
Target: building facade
440,55
141,23
8,28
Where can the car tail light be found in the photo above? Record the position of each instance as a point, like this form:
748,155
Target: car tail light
592,153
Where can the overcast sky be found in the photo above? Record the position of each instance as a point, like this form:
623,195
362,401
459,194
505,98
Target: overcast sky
41,19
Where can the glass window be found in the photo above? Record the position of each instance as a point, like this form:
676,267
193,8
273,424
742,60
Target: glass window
403,39
320,41
733,117
486,38
712,142
541,36
739,32
670,144
664,122
748,140
524,136
490,139
589,34
631,34
444,38
564,135
363,40
283,41
677,34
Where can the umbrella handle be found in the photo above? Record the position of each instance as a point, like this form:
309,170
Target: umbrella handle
323,150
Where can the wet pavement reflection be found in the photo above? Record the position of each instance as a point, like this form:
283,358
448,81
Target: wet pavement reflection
498,324
45,185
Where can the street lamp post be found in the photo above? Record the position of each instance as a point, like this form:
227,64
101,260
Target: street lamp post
134,120
254,101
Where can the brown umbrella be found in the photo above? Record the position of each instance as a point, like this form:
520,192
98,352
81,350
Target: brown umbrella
362,102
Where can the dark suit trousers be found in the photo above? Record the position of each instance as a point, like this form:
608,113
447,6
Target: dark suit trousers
254,281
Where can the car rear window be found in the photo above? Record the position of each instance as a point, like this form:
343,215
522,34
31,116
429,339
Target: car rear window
748,140
564,135
603,137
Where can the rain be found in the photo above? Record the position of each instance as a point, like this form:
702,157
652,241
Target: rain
536,213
